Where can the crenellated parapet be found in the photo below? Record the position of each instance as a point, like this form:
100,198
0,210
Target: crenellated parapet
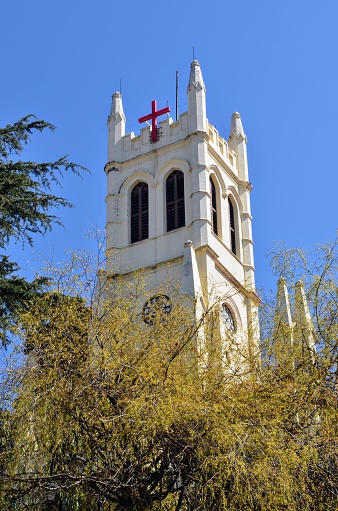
130,145
222,149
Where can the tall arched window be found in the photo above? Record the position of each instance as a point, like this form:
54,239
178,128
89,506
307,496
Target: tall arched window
139,224
175,200
228,319
232,226
213,207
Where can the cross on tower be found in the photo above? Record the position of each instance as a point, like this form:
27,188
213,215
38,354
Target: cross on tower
153,116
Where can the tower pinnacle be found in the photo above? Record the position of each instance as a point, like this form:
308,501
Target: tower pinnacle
302,316
116,127
237,142
283,304
116,109
196,99
196,78
283,341
236,127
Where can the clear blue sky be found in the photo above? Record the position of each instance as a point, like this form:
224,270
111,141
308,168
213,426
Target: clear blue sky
273,61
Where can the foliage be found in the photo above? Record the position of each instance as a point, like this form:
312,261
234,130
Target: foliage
26,202
106,408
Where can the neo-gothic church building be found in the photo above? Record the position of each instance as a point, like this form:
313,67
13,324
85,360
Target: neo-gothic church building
178,209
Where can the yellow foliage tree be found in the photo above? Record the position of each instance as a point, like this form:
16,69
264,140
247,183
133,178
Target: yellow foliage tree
115,407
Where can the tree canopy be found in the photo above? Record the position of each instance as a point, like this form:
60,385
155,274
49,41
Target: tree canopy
26,208
107,411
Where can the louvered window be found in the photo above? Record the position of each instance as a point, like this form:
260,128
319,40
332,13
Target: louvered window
232,226
139,225
175,200
213,207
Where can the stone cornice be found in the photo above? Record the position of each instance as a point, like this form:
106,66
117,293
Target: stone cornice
149,268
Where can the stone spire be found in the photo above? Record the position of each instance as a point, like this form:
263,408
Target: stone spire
237,142
116,127
283,341
304,327
236,126
196,99
196,78
283,308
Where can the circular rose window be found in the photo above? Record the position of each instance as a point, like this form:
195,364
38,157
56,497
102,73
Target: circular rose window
156,308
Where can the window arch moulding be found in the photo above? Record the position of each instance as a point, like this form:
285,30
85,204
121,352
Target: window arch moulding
213,169
170,166
232,334
134,178
232,306
231,190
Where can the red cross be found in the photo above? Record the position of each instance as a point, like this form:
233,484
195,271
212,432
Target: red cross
153,116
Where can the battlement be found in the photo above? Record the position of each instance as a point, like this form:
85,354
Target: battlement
222,148
170,132
131,145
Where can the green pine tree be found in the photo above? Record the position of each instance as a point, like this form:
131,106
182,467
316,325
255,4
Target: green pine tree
26,202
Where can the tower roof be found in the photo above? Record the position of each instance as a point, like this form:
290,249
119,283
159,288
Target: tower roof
236,127
196,77
116,109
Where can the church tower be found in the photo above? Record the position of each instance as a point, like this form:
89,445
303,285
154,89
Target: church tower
178,208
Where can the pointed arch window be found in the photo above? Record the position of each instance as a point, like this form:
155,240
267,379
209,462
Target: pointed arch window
228,319
175,200
139,224
213,204
232,226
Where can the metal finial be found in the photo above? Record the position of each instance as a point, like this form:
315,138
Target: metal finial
176,95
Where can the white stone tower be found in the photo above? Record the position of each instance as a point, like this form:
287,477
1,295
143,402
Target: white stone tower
178,208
